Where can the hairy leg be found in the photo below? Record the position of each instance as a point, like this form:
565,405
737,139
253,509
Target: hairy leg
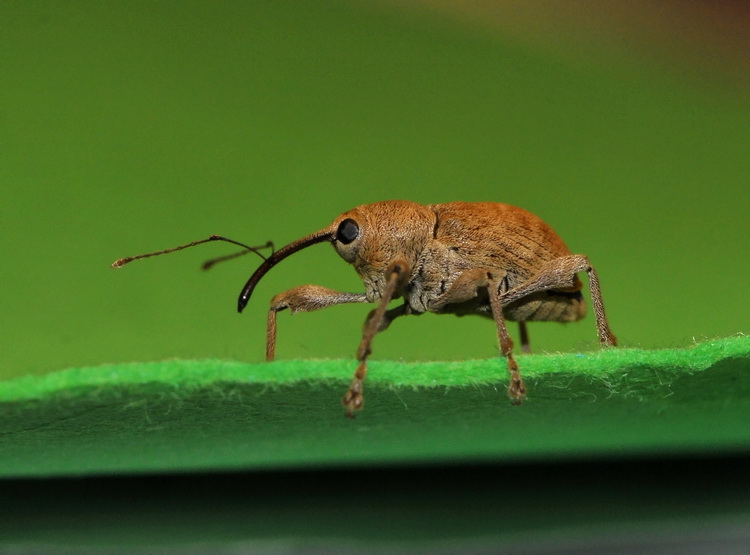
396,275
304,298
467,287
560,273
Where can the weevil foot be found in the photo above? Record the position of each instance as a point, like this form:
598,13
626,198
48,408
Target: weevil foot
354,399
609,339
516,387
516,390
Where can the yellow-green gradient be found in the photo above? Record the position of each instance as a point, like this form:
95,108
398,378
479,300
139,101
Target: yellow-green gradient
707,43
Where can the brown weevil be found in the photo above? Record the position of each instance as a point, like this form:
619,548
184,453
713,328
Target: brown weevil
485,258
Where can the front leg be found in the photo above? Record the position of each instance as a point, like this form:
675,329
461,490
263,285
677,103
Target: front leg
395,277
304,298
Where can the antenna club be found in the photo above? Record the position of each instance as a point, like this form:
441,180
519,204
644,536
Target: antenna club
120,262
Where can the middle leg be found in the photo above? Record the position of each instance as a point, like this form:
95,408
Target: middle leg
466,287
516,388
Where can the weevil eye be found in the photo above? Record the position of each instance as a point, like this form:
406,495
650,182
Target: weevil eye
347,232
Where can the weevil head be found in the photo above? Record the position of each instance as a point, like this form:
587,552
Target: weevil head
369,237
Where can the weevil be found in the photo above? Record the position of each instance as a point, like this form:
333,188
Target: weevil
487,258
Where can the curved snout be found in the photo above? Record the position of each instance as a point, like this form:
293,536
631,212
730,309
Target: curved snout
317,237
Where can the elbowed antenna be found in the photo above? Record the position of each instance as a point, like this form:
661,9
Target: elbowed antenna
317,237
119,263
208,264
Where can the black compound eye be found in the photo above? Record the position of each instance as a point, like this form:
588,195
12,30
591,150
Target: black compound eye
347,231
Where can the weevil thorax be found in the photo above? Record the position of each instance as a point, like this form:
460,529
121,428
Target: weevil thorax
372,236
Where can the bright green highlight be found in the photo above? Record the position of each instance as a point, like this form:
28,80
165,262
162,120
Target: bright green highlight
212,415
608,365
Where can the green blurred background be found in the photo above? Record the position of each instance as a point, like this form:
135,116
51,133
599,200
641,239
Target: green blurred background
128,127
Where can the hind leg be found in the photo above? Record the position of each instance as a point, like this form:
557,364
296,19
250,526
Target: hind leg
560,274
524,332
